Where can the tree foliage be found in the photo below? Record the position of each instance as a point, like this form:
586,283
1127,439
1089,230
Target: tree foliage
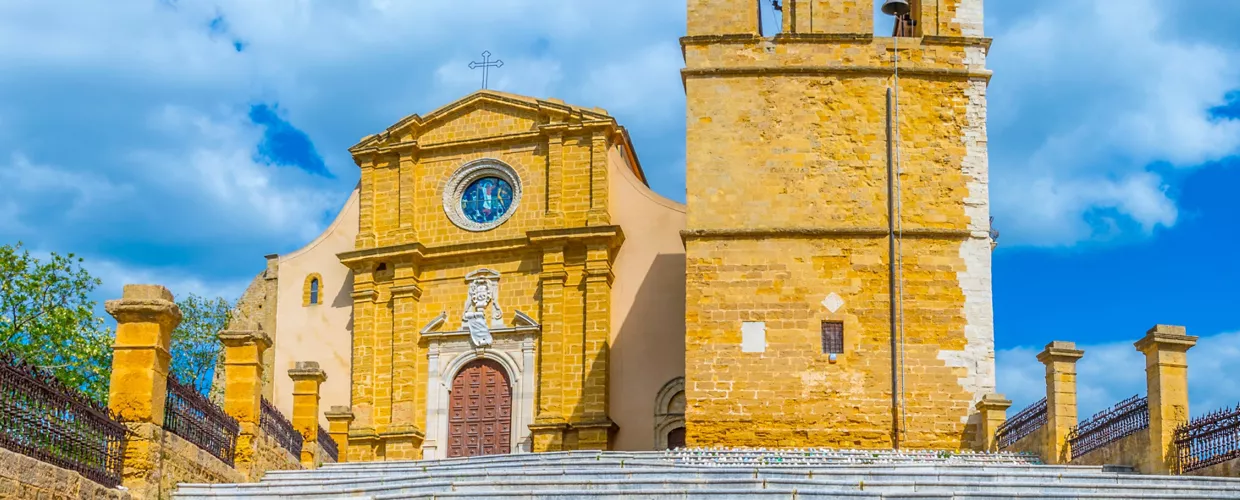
47,319
195,345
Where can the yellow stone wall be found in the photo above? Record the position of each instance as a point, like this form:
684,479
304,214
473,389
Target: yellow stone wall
786,175
561,223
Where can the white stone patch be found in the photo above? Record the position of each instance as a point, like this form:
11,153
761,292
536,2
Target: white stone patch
978,356
833,302
753,336
969,15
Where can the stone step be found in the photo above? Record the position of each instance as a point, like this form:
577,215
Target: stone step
662,466
944,485
718,456
847,476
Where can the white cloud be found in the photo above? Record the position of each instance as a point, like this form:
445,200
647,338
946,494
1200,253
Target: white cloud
1085,98
1112,371
114,276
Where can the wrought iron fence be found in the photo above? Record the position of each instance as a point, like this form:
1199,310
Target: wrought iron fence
278,427
1022,424
43,419
190,415
329,445
1210,439
1107,426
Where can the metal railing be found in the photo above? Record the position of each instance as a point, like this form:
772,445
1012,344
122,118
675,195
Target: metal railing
45,420
275,425
328,445
1022,424
190,415
1210,439
1110,425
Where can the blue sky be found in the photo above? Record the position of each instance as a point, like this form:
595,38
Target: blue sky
179,141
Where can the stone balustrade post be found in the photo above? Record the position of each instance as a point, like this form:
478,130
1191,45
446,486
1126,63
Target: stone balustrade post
1166,382
307,378
243,389
993,411
339,418
138,388
1060,359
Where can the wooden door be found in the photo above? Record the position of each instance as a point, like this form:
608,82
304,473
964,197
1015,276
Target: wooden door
480,411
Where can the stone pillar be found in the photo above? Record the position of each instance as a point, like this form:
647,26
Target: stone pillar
598,214
307,377
145,317
1060,359
243,386
993,411
1166,381
338,420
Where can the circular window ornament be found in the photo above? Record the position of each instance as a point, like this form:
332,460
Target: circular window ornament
481,195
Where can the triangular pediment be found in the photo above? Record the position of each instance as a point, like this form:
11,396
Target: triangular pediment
483,113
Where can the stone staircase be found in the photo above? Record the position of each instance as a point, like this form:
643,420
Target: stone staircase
721,474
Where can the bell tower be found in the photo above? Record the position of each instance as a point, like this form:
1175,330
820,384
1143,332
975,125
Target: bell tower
827,306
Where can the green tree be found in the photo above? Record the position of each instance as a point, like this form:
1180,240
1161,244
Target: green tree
47,319
194,342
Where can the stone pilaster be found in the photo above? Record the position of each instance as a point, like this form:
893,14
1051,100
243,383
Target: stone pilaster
549,422
307,378
598,214
404,435
993,411
1166,381
243,386
145,317
1060,359
363,389
366,201
594,425
555,178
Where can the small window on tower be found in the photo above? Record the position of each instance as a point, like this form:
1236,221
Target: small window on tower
314,291
832,337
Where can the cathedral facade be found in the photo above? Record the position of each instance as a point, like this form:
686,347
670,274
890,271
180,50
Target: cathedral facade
503,279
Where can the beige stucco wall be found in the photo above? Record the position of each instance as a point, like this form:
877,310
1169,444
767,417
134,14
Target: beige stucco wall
320,332
648,303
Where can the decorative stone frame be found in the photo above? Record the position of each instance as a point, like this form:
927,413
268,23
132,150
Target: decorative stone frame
466,175
305,290
666,416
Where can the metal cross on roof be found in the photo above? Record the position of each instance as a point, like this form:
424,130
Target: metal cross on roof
486,66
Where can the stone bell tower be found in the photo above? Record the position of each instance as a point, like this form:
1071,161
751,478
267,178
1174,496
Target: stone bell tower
790,266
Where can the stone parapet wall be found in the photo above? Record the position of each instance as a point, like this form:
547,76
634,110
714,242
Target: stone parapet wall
184,462
25,477
1130,450
271,456
1034,442
1230,468
162,460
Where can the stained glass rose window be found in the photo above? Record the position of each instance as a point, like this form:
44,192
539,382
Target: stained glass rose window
486,200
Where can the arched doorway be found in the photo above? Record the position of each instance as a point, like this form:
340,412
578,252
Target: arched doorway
480,410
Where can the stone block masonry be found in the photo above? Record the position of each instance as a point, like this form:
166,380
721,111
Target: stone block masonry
787,204
25,477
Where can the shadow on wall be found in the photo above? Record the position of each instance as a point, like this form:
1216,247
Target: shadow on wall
648,351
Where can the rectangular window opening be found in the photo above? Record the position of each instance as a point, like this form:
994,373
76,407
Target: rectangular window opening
770,17
832,337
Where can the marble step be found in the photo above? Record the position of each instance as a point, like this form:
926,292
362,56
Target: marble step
928,484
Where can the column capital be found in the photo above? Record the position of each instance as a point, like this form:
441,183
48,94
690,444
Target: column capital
339,414
1165,338
145,304
241,338
993,402
1059,351
307,371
